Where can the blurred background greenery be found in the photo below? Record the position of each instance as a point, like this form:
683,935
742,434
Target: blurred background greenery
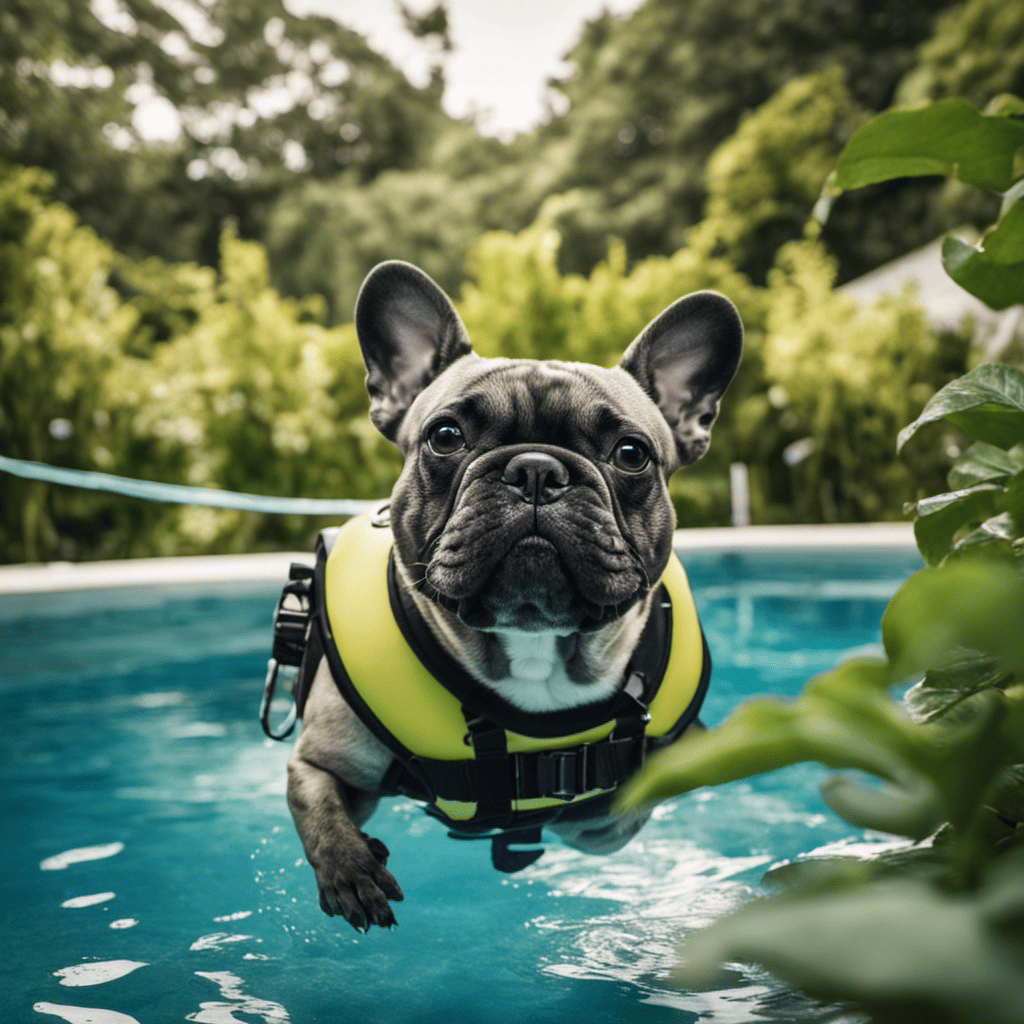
180,310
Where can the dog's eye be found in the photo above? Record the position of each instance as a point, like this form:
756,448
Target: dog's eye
631,455
446,438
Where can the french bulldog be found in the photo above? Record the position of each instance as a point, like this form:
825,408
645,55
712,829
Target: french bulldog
530,521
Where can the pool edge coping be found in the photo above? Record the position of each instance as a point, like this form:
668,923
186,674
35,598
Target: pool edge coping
272,567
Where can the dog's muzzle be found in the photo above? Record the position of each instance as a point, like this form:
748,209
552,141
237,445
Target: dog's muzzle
532,542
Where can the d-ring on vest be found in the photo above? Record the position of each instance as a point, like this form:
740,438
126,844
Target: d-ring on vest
480,763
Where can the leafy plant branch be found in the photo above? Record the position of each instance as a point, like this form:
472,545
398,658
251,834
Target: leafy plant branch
936,931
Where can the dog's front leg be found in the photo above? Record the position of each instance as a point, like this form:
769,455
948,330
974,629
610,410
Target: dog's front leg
350,866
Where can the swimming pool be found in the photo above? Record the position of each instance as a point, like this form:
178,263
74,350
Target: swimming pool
152,872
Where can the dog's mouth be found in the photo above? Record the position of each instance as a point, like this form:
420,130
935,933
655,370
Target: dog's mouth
531,590
534,588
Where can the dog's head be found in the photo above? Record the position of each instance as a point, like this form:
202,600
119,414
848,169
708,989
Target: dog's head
534,494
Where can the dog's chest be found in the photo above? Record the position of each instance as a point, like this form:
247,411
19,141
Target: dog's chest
538,677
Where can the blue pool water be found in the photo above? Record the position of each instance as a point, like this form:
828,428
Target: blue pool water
130,733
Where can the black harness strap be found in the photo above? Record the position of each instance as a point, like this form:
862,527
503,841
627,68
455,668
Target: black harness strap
495,789
494,777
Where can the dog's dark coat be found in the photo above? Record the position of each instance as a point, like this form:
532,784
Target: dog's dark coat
530,521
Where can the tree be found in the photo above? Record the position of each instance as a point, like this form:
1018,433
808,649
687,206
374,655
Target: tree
324,237
976,53
199,376
651,96
252,98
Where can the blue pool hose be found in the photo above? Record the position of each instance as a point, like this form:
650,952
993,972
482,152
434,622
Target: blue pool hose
152,490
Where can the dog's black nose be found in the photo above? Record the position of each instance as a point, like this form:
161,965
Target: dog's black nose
540,479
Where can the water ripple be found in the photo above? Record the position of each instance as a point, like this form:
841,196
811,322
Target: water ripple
60,861
97,973
84,1014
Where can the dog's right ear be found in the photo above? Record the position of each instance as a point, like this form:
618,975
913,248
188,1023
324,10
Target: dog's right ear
410,333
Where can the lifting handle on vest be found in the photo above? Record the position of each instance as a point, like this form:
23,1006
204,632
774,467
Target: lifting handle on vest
291,634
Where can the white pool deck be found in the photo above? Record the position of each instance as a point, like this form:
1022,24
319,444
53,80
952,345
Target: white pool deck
273,568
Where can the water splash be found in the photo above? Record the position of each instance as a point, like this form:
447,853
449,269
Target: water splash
659,889
61,861
230,986
655,891
87,901
84,1014
216,941
97,973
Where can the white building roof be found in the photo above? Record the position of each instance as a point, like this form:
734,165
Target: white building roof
946,304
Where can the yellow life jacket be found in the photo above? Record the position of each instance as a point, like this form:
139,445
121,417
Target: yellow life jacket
481,764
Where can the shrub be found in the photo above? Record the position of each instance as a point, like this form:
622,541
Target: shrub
185,375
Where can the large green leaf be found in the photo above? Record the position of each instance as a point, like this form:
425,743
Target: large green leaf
993,270
843,719
945,138
1005,242
914,808
1000,529
766,733
984,462
988,403
940,517
902,948
966,604
944,689
998,284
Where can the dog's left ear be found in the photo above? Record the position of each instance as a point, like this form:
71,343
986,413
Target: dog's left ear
409,333
685,359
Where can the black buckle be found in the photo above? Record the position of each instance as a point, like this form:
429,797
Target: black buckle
563,773
292,616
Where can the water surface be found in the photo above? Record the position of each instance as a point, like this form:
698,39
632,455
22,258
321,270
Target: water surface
152,872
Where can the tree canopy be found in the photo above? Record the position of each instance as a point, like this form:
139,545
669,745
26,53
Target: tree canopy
249,98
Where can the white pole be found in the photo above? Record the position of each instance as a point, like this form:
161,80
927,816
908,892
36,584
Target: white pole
739,492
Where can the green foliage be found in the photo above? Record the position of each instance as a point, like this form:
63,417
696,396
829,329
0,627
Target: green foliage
935,932
992,271
758,195
986,508
947,137
518,304
976,53
845,379
203,378
651,95
74,75
982,150
324,238
62,329
847,934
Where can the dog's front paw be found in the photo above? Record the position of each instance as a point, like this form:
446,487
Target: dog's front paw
354,884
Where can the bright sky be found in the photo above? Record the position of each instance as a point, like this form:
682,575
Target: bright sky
504,50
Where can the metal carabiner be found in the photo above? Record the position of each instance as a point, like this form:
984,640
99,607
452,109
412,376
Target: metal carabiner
269,686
